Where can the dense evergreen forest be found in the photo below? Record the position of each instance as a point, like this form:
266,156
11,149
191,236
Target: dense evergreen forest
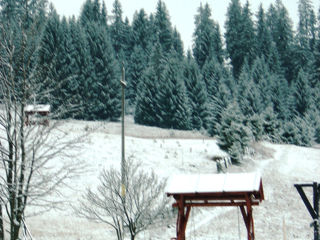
260,80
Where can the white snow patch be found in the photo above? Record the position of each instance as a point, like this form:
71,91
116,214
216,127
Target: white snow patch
187,155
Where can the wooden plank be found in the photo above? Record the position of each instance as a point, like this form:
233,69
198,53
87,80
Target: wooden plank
218,195
216,204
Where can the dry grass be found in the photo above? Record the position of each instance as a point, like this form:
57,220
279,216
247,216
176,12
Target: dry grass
261,151
135,130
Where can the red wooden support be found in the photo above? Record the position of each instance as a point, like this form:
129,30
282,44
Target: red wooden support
244,199
248,219
183,216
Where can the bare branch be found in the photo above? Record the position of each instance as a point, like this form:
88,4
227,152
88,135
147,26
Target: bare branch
143,205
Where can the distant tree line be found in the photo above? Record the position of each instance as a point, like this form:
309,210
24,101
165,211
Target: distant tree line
258,81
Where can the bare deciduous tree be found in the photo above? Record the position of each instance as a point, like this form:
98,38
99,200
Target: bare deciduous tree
143,205
28,174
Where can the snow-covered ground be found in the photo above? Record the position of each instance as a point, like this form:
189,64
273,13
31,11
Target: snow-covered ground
171,152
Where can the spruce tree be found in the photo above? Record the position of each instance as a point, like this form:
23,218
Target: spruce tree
282,34
212,73
302,94
289,133
313,120
197,95
140,28
173,110
163,27
315,66
128,41
117,31
303,49
80,70
248,95
135,70
63,76
104,88
147,108
177,44
248,42
260,74
279,96
218,103
263,35
271,125
239,36
298,132
234,136
93,12
207,39
50,49
306,25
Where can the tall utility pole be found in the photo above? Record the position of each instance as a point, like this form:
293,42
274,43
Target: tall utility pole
123,162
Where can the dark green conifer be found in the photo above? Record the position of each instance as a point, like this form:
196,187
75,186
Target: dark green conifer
207,38
197,95
173,109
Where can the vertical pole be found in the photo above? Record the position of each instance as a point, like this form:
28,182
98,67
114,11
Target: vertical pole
123,163
123,183
316,210
284,229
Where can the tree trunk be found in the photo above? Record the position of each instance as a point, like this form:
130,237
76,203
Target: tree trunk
1,224
15,233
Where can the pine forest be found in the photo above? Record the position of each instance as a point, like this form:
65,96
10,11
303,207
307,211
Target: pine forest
257,81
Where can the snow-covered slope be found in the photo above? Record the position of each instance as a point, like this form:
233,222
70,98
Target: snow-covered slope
171,152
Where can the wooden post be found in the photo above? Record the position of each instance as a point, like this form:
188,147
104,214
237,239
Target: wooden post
123,167
183,216
284,229
316,210
248,218
123,161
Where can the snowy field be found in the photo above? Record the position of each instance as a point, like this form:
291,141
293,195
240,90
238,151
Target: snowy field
171,152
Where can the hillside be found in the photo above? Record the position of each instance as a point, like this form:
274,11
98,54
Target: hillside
169,152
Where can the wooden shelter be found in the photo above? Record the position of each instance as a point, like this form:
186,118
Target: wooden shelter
33,112
242,190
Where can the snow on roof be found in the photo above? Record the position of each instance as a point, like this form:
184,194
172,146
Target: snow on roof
38,108
205,183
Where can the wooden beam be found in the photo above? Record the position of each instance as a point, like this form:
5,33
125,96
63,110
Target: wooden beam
305,199
218,196
216,204
245,216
